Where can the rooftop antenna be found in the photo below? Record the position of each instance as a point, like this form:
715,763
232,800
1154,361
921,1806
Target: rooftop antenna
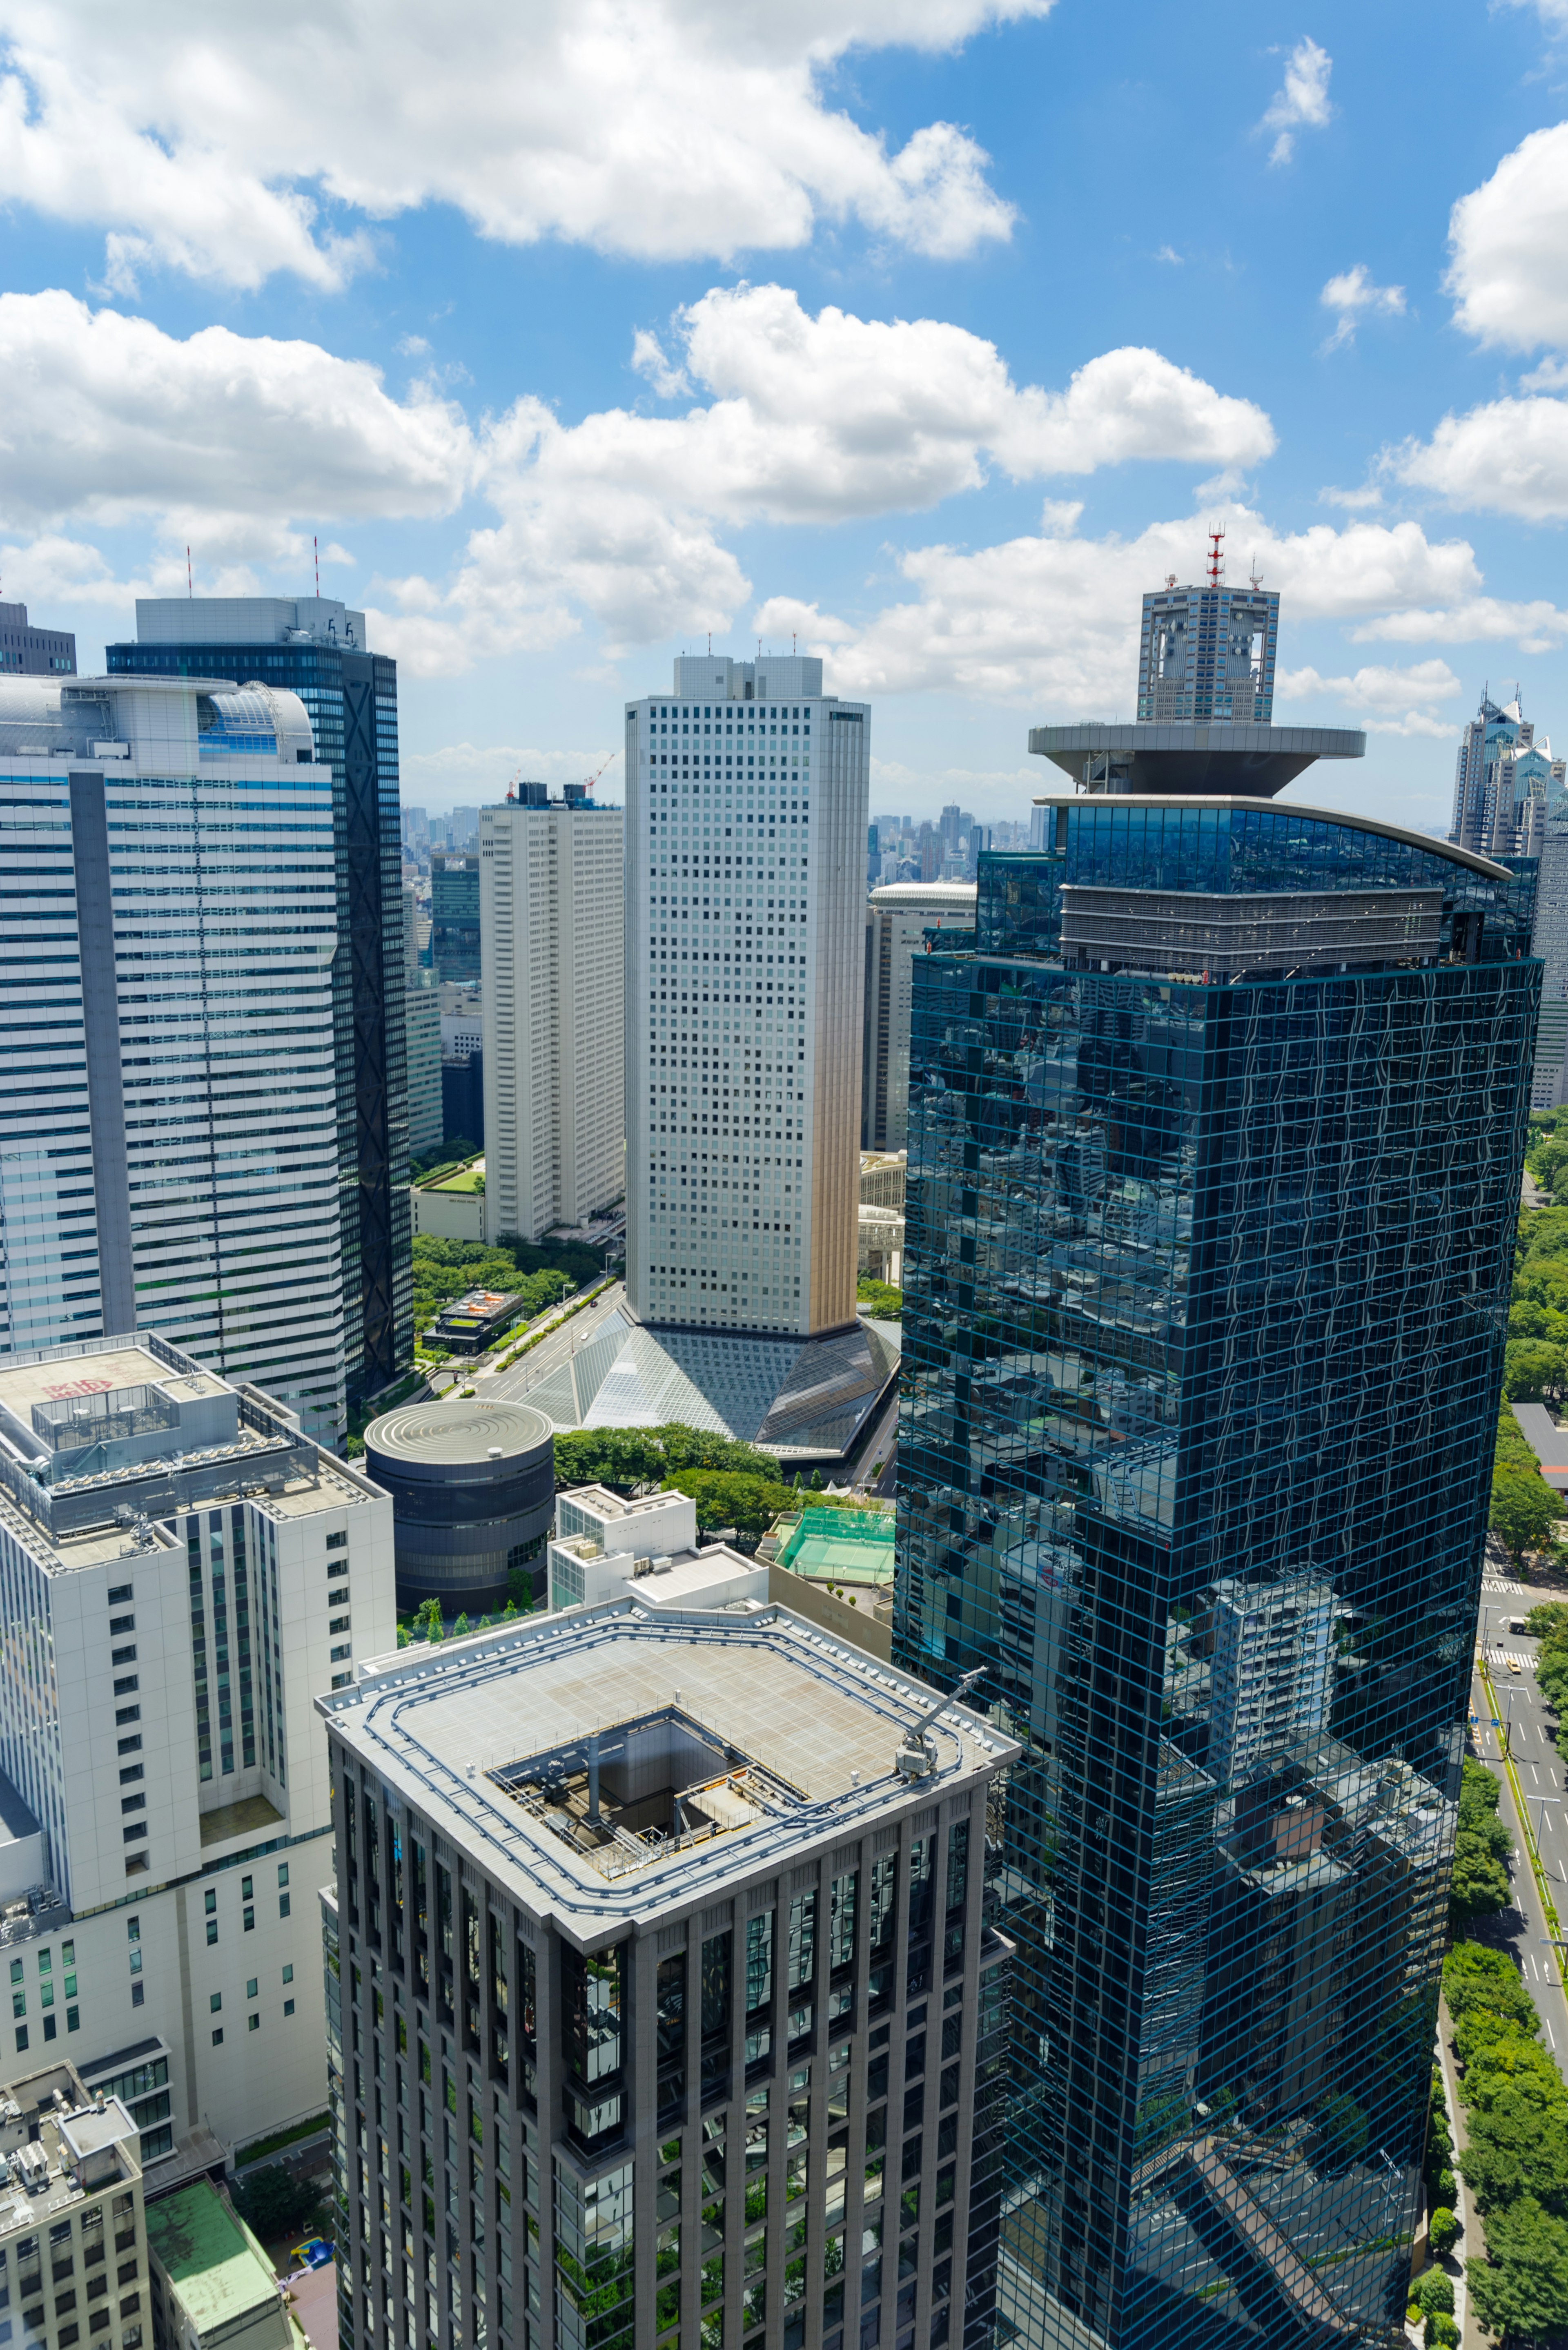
190,586
1216,559
792,646
1255,575
316,548
1170,578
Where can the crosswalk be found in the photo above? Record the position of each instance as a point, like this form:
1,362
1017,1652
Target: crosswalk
1498,1657
1504,1585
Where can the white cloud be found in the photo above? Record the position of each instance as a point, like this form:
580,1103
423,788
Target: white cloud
1054,620
1301,102
222,438
1387,701
1508,456
1353,295
1361,501
1534,627
1508,246
647,358
239,144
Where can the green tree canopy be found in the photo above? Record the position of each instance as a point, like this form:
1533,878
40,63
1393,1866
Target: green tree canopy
1521,2289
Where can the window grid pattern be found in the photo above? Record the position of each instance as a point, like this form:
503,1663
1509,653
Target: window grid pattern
1204,1307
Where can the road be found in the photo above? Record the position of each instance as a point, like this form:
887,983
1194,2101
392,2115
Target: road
513,1386
1527,1726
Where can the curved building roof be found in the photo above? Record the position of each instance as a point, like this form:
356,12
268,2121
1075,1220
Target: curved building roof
939,895
433,1436
1173,758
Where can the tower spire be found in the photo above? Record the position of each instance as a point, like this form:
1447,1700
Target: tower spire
1216,559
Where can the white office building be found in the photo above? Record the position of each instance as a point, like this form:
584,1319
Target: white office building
185,1572
898,919
168,1147
551,911
423,1035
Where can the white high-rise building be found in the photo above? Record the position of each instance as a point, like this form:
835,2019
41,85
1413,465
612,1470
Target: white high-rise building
195,1572
746,809
168,1132
897,919
422,1033
551,913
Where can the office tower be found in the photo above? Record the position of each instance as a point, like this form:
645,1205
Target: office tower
899,919
422,1033
415,830
73,2233
1214,1158
33,652
1549,944
454,917
169,1142
463,827
1503,783
195,1570
1205,654
661,1936
551,915
316,649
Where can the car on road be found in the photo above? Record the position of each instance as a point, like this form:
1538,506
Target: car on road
1514,1665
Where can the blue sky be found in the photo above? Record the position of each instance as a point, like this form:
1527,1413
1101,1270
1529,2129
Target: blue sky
930,334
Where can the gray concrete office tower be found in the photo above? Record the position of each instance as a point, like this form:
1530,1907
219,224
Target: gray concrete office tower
663,2000
315,648
1549,942
196,1571
26,651
168,1131
897,918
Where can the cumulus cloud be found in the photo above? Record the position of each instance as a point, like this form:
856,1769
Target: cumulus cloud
1054,617
1351,296
1301,102
1507,240
1535,628
1358,501
1507,456
221,438
1387,701
237,145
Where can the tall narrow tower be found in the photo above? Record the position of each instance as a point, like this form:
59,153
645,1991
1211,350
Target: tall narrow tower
1214,1160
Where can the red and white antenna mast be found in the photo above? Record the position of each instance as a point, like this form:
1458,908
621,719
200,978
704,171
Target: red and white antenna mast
1216,559
190,584
316,550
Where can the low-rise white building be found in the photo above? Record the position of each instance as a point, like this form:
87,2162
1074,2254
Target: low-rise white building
184,1572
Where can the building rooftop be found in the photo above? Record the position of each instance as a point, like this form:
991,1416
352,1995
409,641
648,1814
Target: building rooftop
962,895
451,1435
721,1742
831,1545
100,1437
81,2148
213,2262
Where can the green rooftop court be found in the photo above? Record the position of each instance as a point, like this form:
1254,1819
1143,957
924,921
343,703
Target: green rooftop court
217,2273
840,1545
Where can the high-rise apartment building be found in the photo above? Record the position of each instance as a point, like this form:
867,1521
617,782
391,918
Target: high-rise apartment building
422,1033
314,647
455,950
662,1935
897,920
1214,1154
551,920
26,651
169,1142
1503,783
194,1570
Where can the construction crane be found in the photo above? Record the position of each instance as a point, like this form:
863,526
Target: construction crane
589,780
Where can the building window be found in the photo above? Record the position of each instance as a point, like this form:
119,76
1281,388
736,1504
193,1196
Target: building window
215,2004
212,1929
218,2037
254,2023
288,2006
288,1974
282,1904
138,1994
21,2040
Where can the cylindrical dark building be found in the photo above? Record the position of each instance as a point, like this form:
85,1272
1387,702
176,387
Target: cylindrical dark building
474,1491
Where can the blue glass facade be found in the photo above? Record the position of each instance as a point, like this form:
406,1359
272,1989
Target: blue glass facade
1205,1296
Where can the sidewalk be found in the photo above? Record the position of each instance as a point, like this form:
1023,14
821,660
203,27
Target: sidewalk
1471,2244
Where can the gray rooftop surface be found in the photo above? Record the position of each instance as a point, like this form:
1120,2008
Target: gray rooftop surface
817,1713
457,1434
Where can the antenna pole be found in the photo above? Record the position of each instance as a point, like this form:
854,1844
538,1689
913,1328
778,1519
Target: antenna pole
189,587
316,549
1216,559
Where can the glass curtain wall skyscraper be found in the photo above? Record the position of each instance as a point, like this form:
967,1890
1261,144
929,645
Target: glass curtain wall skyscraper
1214,1155
315,648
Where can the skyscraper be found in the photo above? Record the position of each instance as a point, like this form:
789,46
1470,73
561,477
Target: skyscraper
26,651
897,918
683,2026
1214,1155
1503,781
315,648
421,1029
1205,654
456,956
745,826
170,1144
551,915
